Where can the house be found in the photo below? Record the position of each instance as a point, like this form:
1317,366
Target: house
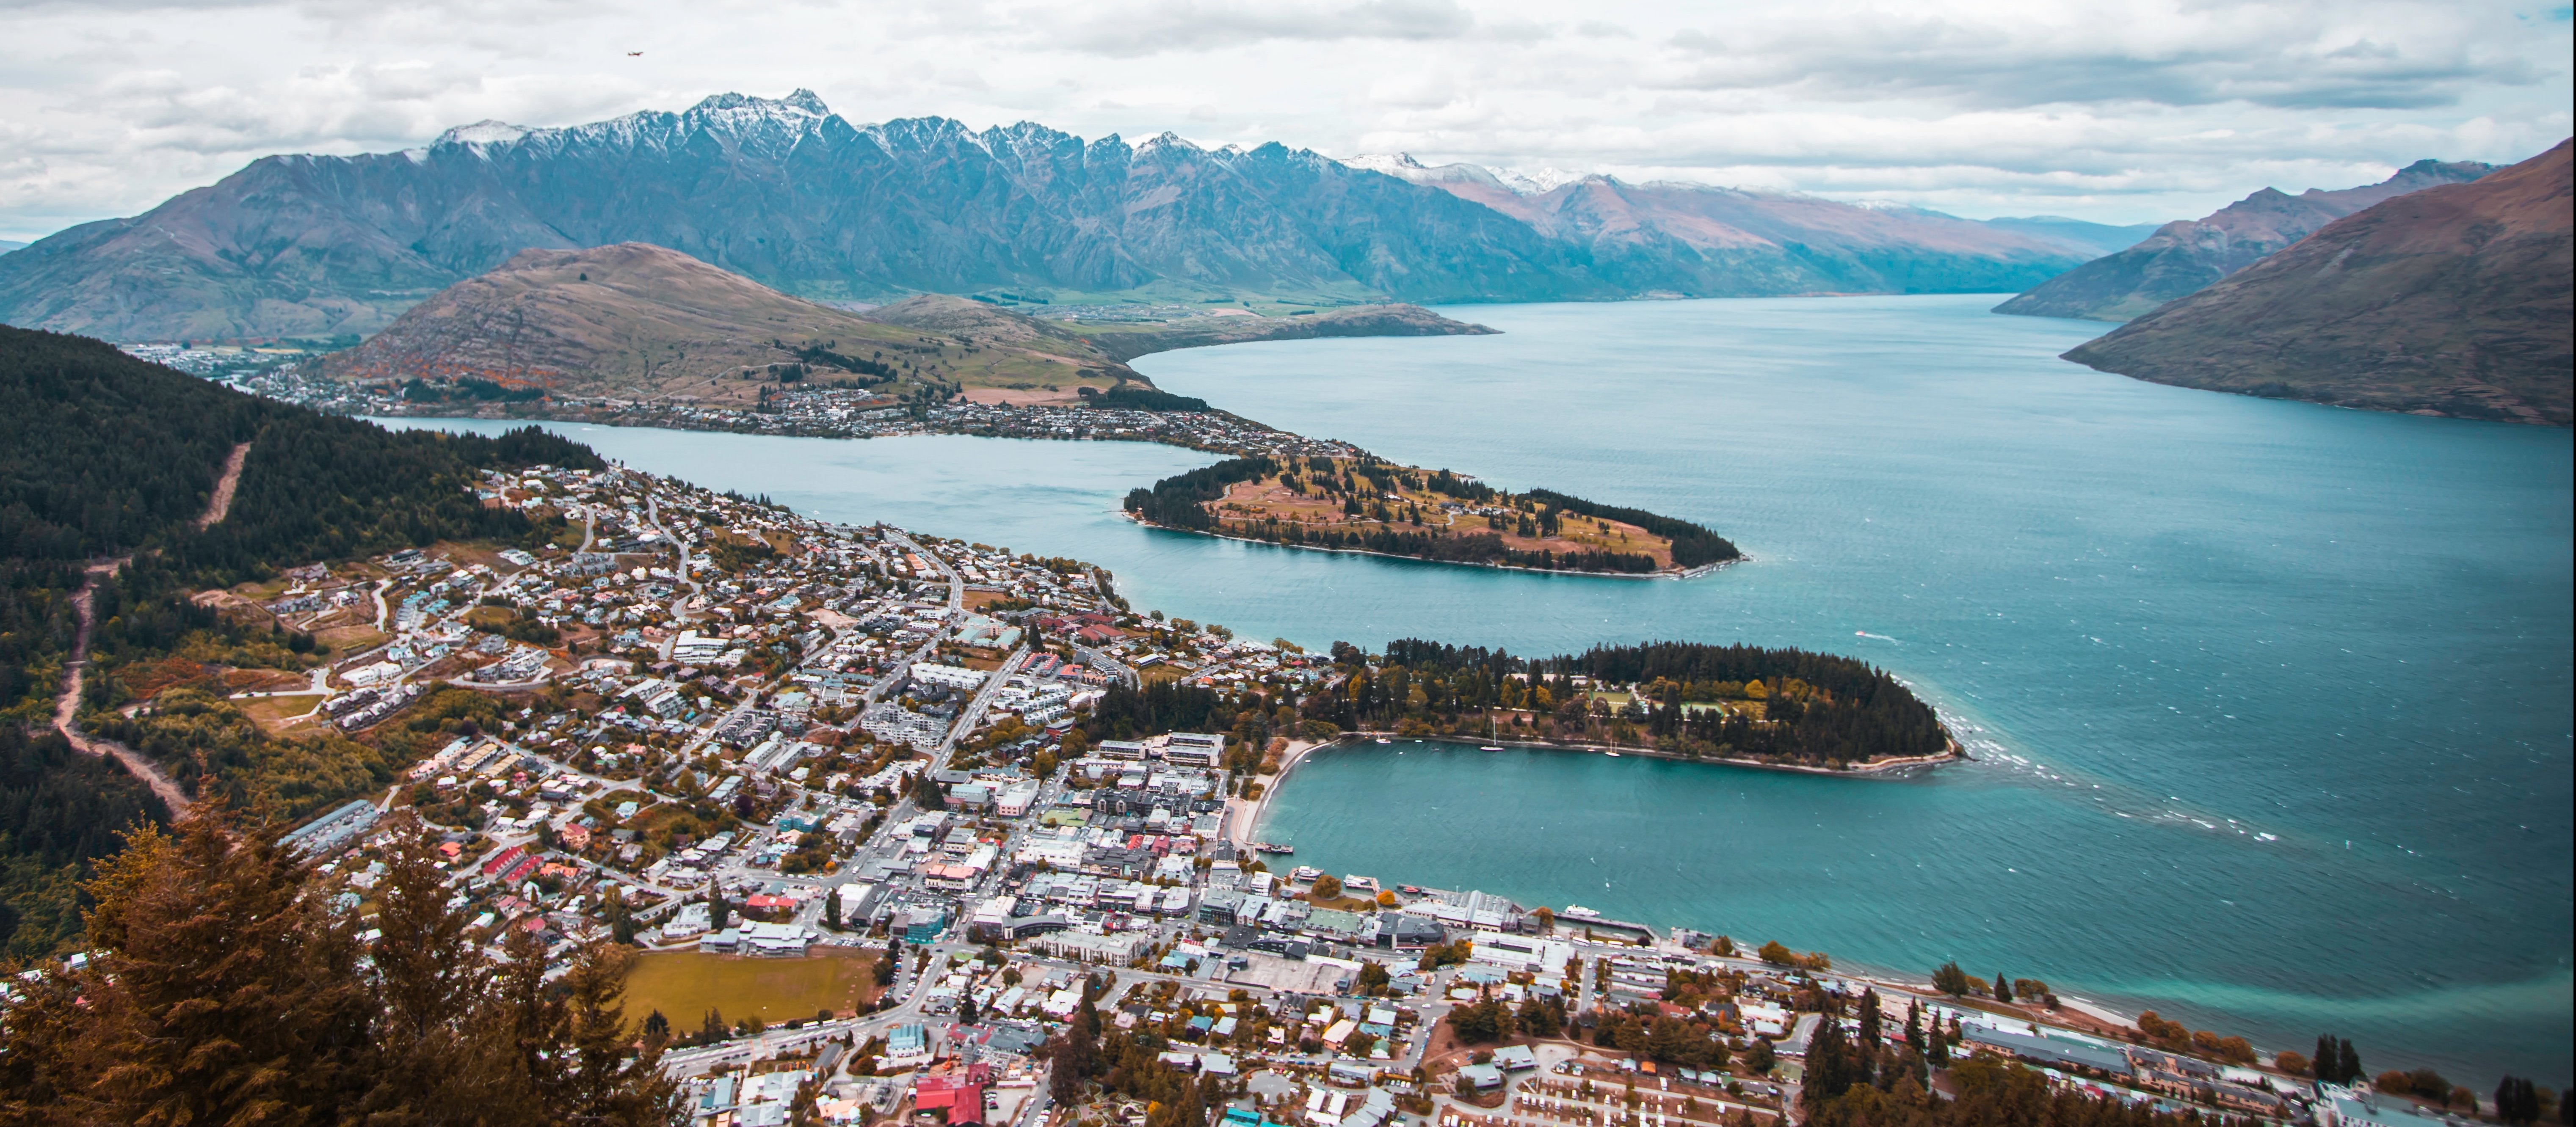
1476,1078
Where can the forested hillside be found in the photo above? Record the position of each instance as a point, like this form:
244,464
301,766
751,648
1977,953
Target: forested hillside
102,457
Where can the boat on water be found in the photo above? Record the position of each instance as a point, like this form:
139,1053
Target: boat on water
1614,755
1384,740
1489,747
1273,847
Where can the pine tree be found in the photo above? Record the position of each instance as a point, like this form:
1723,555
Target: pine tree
1869,1019
215,970
592,1072
2326,1063
2348,1062
1829,1070
2003,989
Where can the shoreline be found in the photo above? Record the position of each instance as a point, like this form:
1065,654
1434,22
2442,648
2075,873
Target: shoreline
1299,751
1666,573
1871,769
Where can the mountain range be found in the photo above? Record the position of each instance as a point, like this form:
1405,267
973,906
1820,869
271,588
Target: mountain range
2187,254
792,196
2453,300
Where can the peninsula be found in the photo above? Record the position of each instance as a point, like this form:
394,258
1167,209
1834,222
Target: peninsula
1364,504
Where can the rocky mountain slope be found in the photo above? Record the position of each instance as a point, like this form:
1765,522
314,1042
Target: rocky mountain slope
803,201
2454,300
2187,254
634,321
1697,240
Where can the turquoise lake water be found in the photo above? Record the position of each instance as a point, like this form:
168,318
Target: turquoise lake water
2272,701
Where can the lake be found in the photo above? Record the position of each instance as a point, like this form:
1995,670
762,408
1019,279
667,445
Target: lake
2272,702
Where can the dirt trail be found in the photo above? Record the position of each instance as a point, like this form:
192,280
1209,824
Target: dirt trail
67,706
84,603
222,502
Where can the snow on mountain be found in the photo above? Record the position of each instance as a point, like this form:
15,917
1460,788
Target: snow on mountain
1540,181
484,132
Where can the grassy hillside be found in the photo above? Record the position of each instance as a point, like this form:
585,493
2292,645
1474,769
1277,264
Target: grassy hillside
2449,301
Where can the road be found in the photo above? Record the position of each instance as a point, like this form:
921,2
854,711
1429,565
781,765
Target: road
697,590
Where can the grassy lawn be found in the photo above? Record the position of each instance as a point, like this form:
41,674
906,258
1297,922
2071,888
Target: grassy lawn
345,640
684,985
273,713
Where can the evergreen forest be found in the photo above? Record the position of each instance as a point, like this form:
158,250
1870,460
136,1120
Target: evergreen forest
1695,700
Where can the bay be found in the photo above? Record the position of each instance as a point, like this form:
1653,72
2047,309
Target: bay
2271,701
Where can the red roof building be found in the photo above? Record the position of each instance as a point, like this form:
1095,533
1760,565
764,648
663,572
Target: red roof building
958,1094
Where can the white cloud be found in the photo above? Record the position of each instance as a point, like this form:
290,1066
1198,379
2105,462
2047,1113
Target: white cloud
2120,110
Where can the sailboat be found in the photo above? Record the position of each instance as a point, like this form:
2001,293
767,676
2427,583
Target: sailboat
1489,732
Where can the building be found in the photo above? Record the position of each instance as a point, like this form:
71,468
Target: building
1195,749
775,941
333,830
1120,749
958,1096
690,920
1090,947
948,676
906,1046
1521,953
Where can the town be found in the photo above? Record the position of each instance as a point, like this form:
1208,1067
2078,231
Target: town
823,412
937,790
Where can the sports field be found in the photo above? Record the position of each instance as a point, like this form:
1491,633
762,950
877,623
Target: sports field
684,985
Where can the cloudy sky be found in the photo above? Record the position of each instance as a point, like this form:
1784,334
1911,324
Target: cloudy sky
2114,110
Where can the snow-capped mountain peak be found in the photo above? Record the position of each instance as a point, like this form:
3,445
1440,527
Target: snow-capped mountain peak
485,132
1398,165
802,103
1540,181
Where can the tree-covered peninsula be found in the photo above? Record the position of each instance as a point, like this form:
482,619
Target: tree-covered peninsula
1784,707
1367,504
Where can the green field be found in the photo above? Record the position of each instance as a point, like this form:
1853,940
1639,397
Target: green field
684,985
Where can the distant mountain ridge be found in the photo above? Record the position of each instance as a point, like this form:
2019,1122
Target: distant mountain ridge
2454,300
1708,241
2185,255
801,200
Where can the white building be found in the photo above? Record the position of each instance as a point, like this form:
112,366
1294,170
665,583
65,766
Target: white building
949,676
1194,749
1520,952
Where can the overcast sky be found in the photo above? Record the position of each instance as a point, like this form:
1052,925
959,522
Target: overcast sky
2113,110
